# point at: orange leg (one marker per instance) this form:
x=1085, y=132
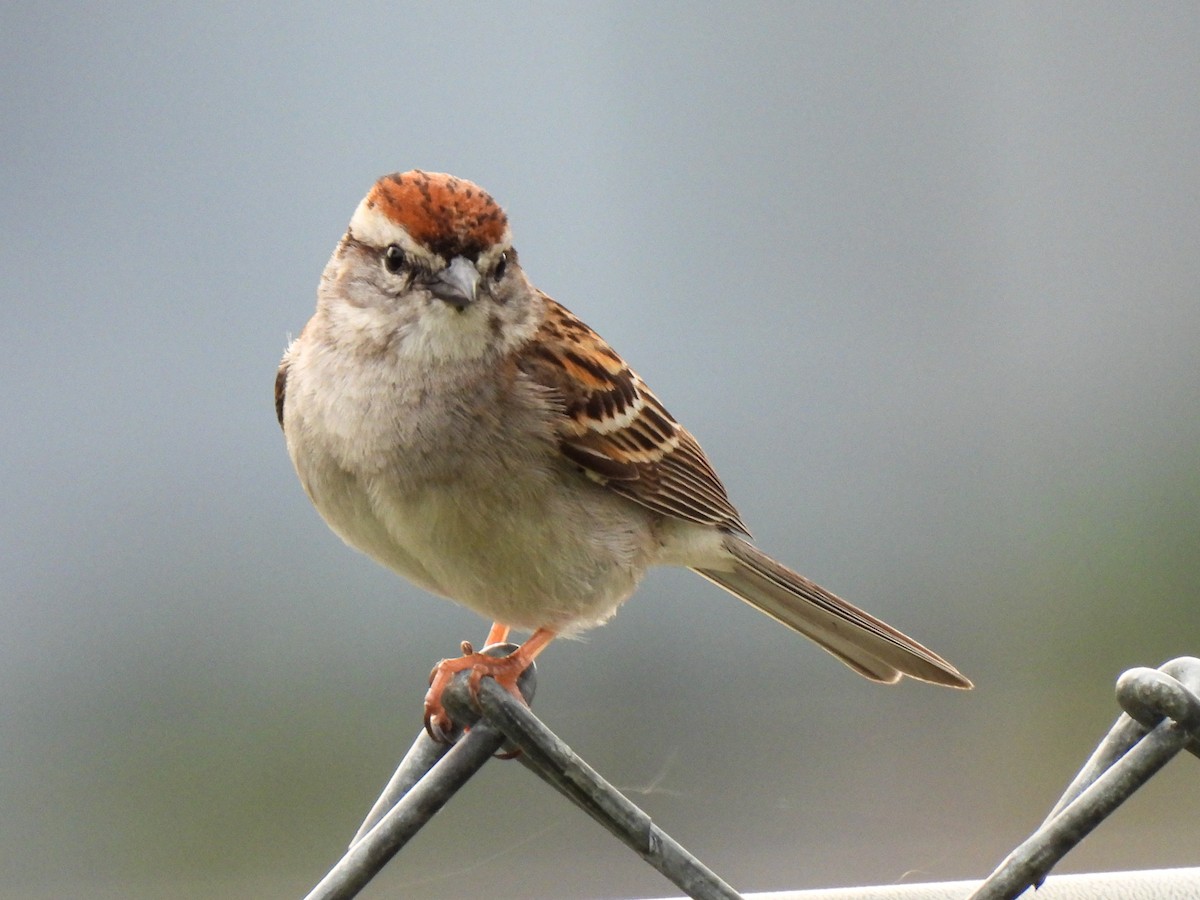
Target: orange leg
x=505, y=669
x=497, y=634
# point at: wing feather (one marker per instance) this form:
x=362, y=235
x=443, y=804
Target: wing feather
x=617, y=431
x=281, y=389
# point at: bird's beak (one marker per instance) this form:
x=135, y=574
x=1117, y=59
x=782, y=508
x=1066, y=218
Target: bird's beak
x=457, y=284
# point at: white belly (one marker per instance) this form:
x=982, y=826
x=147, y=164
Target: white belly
x=523, y=539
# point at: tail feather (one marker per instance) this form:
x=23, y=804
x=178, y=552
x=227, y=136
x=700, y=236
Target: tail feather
x=871, y=647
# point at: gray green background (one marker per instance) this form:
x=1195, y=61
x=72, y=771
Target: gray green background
x=922, y=278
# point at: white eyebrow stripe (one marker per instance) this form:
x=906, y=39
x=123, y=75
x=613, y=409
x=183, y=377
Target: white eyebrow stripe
x=372, y=227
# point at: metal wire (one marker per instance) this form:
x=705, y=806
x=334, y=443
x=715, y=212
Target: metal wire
x=429, y=775
x=1164, y=709
x=559, y=766
x=421, y=756
x=1161, y=718
x=1127, y=731
x=1152, y=884
x=372, y=851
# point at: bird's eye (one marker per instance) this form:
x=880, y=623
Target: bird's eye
x=393, y=259
x=501, y=266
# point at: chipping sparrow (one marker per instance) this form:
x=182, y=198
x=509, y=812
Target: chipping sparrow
x=457, y=425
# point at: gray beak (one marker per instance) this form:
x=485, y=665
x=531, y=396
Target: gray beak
x=457, y=284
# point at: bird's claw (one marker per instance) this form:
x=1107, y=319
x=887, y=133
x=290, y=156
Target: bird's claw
x=506, y=670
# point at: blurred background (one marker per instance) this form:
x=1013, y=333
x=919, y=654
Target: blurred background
x=921, y=277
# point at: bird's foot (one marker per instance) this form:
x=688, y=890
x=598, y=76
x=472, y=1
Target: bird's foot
x=506, y=670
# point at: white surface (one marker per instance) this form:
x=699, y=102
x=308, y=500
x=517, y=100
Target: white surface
x=1153, y=884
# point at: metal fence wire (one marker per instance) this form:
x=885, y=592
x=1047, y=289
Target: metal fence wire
x=1161, y=717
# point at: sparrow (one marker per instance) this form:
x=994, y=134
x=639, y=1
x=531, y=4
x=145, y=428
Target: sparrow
x=456, y=424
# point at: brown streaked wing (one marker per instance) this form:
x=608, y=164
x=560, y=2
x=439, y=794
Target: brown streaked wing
x=280, y=390
x=617, y=431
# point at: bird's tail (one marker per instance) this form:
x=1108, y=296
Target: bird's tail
x=871, y=647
